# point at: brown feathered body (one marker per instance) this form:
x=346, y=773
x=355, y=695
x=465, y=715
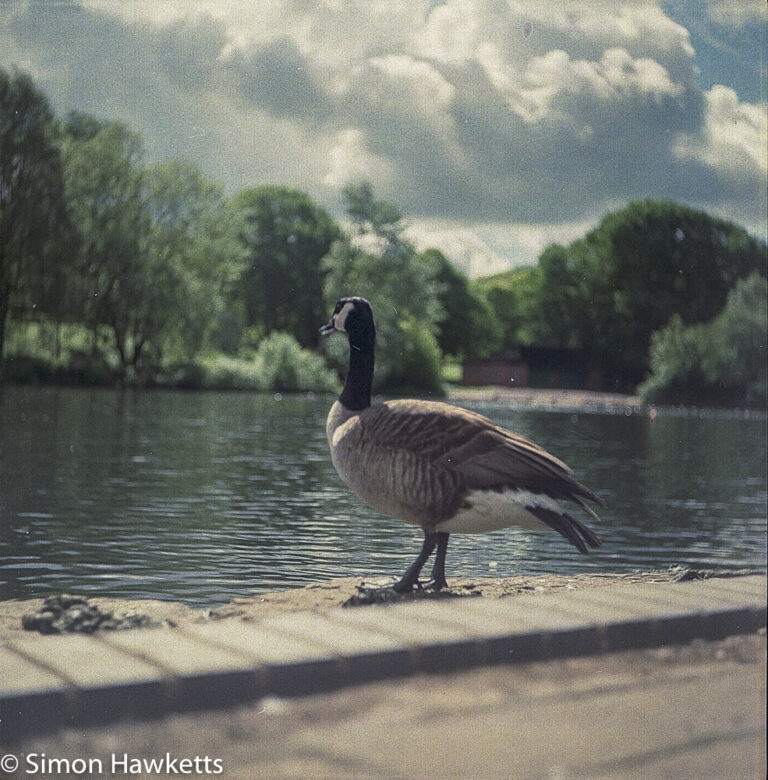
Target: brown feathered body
x=451, y=470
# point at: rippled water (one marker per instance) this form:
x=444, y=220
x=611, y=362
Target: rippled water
x=203, y=497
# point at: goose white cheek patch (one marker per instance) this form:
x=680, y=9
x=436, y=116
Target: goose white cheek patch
x=341, y=318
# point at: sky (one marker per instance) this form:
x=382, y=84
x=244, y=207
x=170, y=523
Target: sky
x=497, y=127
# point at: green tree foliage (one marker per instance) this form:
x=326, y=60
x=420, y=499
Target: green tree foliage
x=418, y=365
x=194, y=235
x=370, y=216
x=279, y=364
x=285, y=237
x=378, y=264
x=157, y=266
x=104, y=192
x=720, y=361
x=468, y=326
x=155, y=254
x=556, y=304
x=510, y=295
x=609, y=291
x=33, y=221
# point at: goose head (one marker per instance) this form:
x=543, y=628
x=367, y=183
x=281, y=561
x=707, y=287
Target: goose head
x=353, y=316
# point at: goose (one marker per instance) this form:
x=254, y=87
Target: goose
x=441, y=467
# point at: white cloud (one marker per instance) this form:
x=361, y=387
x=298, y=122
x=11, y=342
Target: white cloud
x=737, y=13
x=732, y=139
x=349, y=159
x=616, y=76
x=424, y=87
x=493, y=247
x=490, y=140
x=466, y=248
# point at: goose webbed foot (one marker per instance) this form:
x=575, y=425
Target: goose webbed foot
x=403, y=586
x=383, y=594
x=407, y=585
x=434, y=584
x=410, y=580
x=372, y=594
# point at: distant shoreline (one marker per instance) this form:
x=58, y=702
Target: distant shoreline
x=539, y=398
x=545, y=397
x=590, y=402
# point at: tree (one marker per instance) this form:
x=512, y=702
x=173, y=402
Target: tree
x=104, y=190
x=510, y=295
x=195, y=236
x=33, y=217
x=609, y=291
x=285, y=236
x=720, y=361
x=156, y=252
x=468, y=326
x=369, y=215
x=378, y=264
x=556, y=303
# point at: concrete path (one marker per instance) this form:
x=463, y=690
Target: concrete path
x=48, y=683
x=683, y=711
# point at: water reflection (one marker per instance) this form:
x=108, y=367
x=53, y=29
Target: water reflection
x=202, y=497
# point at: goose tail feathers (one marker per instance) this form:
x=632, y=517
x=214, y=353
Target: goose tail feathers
x=579, y=535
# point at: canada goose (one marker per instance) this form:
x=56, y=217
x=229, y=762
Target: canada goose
x=446, y=469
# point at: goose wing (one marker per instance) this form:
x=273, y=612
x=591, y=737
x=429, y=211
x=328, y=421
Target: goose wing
x=481, y=454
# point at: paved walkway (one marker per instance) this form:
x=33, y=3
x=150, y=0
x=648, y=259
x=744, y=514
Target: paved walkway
x=53, y=682
x=684, y=711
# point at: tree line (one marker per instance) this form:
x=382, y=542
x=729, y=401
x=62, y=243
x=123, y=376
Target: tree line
x=650, y=278
x=115, y=269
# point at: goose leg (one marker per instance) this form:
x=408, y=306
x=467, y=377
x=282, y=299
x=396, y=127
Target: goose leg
x=437, y=580
x=410, y=579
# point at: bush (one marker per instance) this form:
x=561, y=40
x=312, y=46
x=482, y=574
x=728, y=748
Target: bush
x=284, y=365
x=720, y=362
x=418, y=369
x=222, y=372
x=25, y=369
x=279, y=365
x=737, y=354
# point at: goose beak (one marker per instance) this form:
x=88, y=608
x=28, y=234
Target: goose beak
x=328, y=328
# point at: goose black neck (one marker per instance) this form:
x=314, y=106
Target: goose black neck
x=356, y=394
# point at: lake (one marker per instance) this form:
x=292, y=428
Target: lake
x=201, y=497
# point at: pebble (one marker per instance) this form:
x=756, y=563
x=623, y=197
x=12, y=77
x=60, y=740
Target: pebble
x=66, y=613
